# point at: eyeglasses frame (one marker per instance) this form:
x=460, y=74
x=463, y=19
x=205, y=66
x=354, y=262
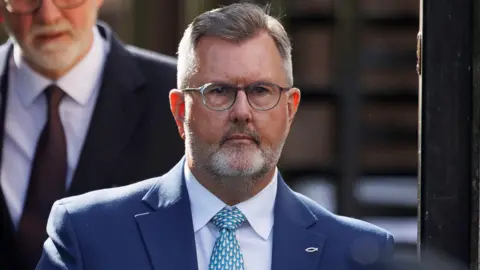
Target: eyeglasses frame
x=202, y=88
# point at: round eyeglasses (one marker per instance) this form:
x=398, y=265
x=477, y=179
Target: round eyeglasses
x=220, y=96
x=24, y=7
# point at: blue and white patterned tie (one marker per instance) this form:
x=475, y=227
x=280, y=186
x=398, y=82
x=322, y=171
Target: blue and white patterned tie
x=226, y=253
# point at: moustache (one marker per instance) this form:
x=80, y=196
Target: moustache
x=38, y=30
x=240, y=131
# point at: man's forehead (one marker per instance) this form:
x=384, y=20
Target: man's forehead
x=261, y=39
x=237, y=76
x=230, y=59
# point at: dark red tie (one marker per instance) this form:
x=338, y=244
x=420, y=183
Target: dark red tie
x=47, y=181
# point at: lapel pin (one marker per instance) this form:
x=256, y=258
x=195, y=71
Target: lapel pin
x=311, y=249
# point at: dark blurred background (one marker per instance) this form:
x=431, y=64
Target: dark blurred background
x=353, y=146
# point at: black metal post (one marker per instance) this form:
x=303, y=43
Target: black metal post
x=348, y=86
x=448, y=218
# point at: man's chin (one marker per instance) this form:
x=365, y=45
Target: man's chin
x=239, y=165
x=241, y=156
x=237, y=172
x=52, y=51
x=52, y=60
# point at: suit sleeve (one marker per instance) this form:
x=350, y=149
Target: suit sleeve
x=61, y=249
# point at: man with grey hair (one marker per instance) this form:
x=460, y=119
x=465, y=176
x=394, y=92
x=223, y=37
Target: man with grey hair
x=224, y=205
x=79, y=111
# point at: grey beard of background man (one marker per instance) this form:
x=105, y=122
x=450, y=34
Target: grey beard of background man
x=55, y=58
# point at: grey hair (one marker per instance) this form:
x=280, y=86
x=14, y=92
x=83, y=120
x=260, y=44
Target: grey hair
x=236, y=22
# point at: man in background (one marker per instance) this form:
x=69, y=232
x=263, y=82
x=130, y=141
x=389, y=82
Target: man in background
x=80, y=111
x=225, y=205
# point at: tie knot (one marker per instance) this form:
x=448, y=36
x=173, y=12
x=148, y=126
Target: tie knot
x=229, y=219
x=54, y=96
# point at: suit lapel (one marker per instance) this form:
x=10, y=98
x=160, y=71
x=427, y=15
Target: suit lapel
x=7, y=244
x=167, y=230
x=116, y=113
x=295, y=246
x=5, y=50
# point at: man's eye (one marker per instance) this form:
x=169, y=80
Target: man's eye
x=219, y=90
x=260, y=90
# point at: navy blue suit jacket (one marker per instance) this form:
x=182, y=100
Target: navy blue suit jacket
x=148, y=225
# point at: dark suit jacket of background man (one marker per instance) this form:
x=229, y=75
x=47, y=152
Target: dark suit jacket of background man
x=132, y=134
x=148, y=226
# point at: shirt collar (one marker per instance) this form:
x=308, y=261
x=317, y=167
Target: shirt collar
x=258, y=210
x=78, y=83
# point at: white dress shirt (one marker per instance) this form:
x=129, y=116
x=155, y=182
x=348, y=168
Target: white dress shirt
x=26, y=116
x=254, y=235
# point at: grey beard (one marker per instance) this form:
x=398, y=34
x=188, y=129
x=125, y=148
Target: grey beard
x=242, y=182
x=238, y=183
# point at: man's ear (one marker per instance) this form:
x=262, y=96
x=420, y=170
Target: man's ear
x=293, y=103
x=177, y=106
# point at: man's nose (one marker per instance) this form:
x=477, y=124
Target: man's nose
x=241, y=109
x=48, y=12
